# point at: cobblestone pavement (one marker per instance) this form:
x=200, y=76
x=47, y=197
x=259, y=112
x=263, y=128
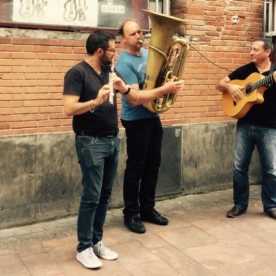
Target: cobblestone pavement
x=198, y=241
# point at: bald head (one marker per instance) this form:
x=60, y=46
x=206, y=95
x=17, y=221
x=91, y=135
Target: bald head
x=125, y=24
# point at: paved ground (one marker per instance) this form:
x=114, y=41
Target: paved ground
x=199, y=241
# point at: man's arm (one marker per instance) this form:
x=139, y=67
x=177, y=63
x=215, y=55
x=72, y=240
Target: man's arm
x=72, y=106
x=137, y=97
x=145, y=96
x=224, y=86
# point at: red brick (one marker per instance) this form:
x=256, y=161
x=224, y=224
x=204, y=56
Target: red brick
x=50, y=69
x=37, y=63
x=50, y=82
x=73, y=57
x=23, y=83
x=26, y=110
x=5, y=40
x=51, y=42
x=12, y=104
x=37, y=76
x=68, y=50
x=36, y=48
x=80, y=51
x=5, y=55
x=29, y=69
x=13, y=76
x=23, y=96
x=23, y=55
x=11, y=132
x=51, y=123
x=5, y=97
x=5, y=125
x=61, y=129
x=56, y=102
x=35, y=103
x=56, y=76
x=51, y=109
x=35, y=130
x=11, y=118
x=24, y=124
x=37, y=89
x=22, y=41
x=35, y=117
x=11, y=48
x=56, y=89
x=5, y=69
x=74, y=43
x=60, y=116
x=49, y=56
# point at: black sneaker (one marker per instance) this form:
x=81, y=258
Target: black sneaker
x=134, y=224
x=154, y=217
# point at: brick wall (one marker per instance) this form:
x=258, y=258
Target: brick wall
x=33, y=64
x=32, y=71
x=217, y=47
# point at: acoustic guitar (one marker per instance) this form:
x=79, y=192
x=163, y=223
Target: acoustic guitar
x=253, y=90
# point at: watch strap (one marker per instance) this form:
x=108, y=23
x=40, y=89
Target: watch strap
x=128, y=90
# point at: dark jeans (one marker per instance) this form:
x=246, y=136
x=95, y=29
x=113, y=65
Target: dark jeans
x=98, y=159
x=247, y=136
x=144, y=138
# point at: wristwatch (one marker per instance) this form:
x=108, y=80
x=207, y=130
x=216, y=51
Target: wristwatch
x=128, y=90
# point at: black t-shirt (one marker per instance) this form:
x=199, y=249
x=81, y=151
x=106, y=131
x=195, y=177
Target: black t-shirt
x=84, y=81
x=263, y=114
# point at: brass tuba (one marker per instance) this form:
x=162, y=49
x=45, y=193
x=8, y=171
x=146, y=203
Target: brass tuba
x=166, y=58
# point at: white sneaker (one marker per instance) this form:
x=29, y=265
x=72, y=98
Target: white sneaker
x=88, y=258
x=102, y=251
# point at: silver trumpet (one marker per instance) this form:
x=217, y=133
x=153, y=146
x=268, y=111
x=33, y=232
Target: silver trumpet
x=111, y=95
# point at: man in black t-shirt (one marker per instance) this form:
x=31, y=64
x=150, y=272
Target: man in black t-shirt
x=257, y=127
x=86, y=98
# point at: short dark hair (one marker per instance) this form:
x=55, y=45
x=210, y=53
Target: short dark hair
x=267, y=43
x=98, y=39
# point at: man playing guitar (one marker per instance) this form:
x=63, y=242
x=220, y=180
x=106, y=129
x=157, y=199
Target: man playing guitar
x=255, y=127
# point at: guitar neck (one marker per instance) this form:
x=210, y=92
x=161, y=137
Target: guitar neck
x=267, y=80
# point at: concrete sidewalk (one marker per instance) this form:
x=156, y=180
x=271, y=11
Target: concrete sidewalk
x=199, y=241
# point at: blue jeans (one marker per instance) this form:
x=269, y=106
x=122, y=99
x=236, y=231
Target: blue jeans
x=247, y=136
x=144, y=139
x=98, y=158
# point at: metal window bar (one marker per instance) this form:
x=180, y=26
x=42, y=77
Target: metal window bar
x=269, y=26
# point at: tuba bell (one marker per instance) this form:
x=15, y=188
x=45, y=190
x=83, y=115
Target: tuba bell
x=166, y=58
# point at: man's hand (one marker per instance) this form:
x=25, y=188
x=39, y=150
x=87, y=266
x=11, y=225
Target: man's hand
x=72, y=106
x=172, y=87
x=103, y=94
x=119, y=84
x=235, y=91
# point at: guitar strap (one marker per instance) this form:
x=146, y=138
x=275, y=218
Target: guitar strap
x=272, y=68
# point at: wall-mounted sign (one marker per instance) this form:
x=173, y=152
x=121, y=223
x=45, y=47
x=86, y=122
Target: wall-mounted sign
x=79, y=13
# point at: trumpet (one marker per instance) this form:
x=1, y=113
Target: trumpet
x=111, y=95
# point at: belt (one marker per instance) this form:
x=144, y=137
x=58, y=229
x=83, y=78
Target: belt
x=97, y=134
